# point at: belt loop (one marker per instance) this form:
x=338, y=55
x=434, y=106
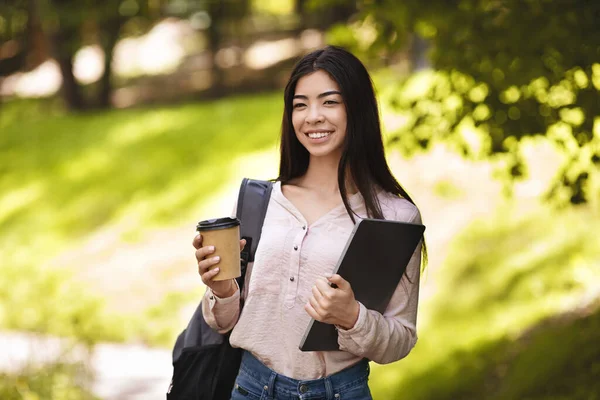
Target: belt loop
x=328, y=389
x=271, y=391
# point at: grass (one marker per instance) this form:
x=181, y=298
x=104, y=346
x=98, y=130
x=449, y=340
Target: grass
x=491, y=331
x=60, y=381
x=145, y=165
x=64, y=177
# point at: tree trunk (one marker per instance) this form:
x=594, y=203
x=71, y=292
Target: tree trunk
x=113, y=30
x=70, y=89
x=217, y=14
x=300, y=9
x=30, y=44
x=66, y=39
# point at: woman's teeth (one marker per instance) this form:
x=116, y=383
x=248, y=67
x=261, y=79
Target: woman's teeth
x=318, y=135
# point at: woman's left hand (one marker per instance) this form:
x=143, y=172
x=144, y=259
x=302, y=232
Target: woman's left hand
x=333, y=305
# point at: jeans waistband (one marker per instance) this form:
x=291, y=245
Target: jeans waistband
x=350, y=376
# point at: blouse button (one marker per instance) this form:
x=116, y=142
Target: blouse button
x=291, y=278
x=304, y=227
x=295, y=247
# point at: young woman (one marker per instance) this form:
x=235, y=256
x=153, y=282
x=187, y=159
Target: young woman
x=332, y=172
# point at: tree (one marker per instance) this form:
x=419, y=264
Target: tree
x=506, y=69
x=70, y=24
x=21, y=37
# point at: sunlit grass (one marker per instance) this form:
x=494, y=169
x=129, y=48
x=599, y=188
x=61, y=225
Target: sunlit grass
x=64, y=177
x=503, y=276
x=91, y=170
x=59, y=381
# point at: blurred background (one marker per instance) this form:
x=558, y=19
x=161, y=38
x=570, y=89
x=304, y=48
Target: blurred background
x=124, y=122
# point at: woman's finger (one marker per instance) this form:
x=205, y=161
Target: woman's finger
x=209, y=275
x=339, y=281
x=205, y=265
x=242, y=244
x=323, y=286
x=318, y=308
x=318, y=296
x=203, y=252
x=197, y=242
x=311, y=311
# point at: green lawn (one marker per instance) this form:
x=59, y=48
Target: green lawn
x=516, y=315
x=64, y=177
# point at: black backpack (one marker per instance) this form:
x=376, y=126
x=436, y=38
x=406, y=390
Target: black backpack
x=204, y=363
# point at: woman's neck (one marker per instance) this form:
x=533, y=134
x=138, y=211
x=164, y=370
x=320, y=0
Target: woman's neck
x=322, y=175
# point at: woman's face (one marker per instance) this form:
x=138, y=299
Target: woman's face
x=319, y=115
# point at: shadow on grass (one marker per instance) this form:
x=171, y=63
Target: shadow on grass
x=515, y=260
x=558, y=358
x=72, y=174
x=504, y=277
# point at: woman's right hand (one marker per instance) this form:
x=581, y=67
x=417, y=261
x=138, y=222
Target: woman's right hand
x=220, y=289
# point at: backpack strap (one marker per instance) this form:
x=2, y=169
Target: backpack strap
x=251, y=210
x=252, y=204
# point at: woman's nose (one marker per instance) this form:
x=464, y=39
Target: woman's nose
x=314, y=115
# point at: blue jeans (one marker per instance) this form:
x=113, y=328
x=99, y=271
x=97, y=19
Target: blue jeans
x=256, y=381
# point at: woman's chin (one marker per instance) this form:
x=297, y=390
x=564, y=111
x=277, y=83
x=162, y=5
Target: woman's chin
x=324, y=153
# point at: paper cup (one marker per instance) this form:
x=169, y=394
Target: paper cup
x=224, y=234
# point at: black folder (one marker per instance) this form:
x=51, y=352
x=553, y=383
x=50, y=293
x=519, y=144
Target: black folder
x=373, y=261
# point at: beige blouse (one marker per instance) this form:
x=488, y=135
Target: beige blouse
x=289, y=258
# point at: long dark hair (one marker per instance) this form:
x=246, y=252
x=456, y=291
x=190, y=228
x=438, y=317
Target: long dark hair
x=363, y=153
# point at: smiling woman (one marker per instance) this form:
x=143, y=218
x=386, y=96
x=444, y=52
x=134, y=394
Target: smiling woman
x=319, y=115
x=332, y=172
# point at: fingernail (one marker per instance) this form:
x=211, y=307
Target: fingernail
x=217, y=269
x=217, y=258
x=211, y=248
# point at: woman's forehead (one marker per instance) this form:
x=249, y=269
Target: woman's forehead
x=316, y=83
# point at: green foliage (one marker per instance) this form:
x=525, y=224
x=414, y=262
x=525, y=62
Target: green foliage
x=500, y=326
x=63, y=177
x=446, y=189
x=48, y=301
x=505, y=70
x=272, y=7
x=57, y=382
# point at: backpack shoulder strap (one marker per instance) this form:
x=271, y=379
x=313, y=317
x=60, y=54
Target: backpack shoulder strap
x=252, y=204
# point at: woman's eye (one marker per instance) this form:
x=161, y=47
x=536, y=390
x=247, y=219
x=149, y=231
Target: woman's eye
x=329, y=102
x=298, y=105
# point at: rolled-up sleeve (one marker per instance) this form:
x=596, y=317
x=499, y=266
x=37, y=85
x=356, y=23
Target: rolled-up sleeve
x=221, y=314
x=388, y=337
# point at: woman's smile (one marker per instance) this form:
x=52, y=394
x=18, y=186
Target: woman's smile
x=318, y=136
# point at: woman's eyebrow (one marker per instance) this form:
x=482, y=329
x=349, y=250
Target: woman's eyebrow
x=328, y=93
x=324, y=94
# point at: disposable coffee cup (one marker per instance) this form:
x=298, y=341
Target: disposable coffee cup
x=224, y=234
